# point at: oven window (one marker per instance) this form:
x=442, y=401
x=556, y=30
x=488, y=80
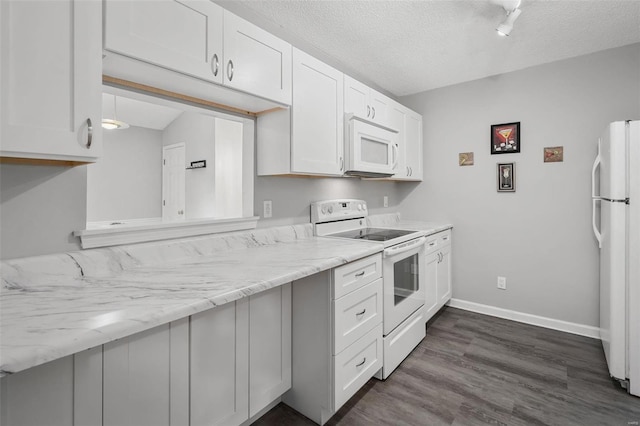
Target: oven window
x=405, y=278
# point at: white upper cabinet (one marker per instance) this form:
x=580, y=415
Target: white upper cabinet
x=365, y=102
x=409, y=126
x=196, y=38
x=317, y=132
x=255, y=61
x=413, y=144
x=51, y=80
x=184, y=36
x=308, y=139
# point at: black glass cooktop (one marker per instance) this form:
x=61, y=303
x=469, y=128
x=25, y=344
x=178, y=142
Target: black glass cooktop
x=373, y=234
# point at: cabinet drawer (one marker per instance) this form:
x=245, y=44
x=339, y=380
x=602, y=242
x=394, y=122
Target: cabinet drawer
x=432, y=243
x=444, y=237
x=354, y=366
x=356, y=313
x=354, y=275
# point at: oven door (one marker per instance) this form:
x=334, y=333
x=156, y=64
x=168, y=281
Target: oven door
x=403, y=282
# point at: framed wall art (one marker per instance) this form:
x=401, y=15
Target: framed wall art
x=505, y=138
x=506, y=173
x=554, y=154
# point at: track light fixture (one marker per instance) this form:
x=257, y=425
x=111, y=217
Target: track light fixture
x=511, y=8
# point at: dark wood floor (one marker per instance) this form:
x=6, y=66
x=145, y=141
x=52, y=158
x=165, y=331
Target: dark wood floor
x=475, y=369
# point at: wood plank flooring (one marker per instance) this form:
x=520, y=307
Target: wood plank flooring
x=474, y=369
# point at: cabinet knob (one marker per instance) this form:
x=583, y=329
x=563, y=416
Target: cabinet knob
x=215, y=64
x=89, y=133
x=230, y=69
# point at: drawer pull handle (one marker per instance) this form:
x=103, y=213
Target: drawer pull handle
x=432, y=244
x=445, y=238
x=361, y=313
x=359, y=274
x=363, y=361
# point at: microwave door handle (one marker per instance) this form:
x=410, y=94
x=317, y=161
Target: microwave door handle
x=393, y=251
x=596, y=231
x=395, y=150
x=596, y=164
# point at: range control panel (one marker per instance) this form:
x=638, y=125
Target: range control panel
x=332, y=210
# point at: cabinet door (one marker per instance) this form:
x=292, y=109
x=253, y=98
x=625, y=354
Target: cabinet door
x=397, y=118
x=444, y=275
x=51, y=80
x=431, y=285
x=317, y=117
x=136, y=373
x=380, y=105
x=269, y=346
x=356, y=98
x=255, y=61
x=184, y=36
x=220, y=365
x=413, y=144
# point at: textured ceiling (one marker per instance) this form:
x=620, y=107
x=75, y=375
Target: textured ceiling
x=406, y=47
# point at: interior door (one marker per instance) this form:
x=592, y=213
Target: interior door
x=173, y=182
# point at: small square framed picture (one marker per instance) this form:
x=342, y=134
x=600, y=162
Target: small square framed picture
x=506, y=177
x=505, y=138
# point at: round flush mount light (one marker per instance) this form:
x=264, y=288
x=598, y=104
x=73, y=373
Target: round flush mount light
x=109, y=124
x=114, y=123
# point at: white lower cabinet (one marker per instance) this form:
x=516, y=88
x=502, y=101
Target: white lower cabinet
x=336, y=332
x=67, y=391
x=217, y=367
x=220, y=365
x=139, y=372
x=438, y=273
x=269, y=346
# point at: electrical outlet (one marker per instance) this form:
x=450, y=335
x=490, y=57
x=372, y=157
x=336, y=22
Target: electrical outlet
x=267, y=209
x=502, y=283
x=385, y=201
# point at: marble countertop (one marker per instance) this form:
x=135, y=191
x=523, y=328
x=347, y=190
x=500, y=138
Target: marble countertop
x=58, y=305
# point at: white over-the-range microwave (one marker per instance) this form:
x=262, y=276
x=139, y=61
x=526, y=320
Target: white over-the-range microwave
x=371, y=149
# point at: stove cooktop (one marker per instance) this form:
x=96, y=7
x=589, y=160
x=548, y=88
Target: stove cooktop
x=373, y=234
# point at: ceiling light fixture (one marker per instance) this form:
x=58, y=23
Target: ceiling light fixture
x=511, y=7
x=114, y=123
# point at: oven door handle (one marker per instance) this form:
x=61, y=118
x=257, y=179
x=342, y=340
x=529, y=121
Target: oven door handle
x=399, y=249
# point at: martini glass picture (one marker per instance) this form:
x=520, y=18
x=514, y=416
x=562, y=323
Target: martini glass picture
x=505, y=138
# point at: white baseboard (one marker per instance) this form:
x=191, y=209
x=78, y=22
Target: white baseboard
x=554, y=324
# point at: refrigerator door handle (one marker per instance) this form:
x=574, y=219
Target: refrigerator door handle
x=596, y=164
x=596, y=231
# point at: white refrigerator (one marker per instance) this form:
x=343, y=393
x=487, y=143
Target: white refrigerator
x=616, y=225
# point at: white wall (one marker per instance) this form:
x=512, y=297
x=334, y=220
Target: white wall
x=228, y=168
x=40, y=207
x=539, y=237
x=292, y=196
x=127, y=181
x=196, y=131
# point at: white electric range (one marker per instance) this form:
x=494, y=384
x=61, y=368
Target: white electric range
x=402, y=271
